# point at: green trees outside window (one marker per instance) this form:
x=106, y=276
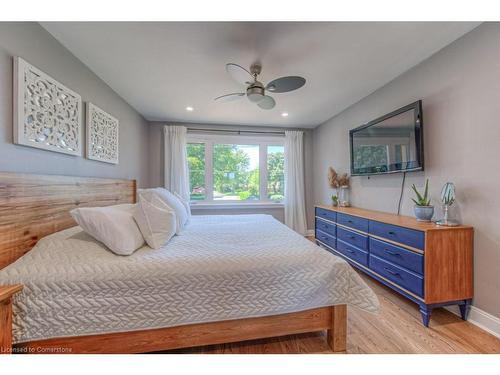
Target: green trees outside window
x=196, y=163
x=276, y=173
x=235, y=172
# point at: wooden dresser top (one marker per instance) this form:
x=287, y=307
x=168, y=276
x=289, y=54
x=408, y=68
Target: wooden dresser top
x=399, y=220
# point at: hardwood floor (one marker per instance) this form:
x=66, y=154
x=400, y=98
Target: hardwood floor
x=396, y=329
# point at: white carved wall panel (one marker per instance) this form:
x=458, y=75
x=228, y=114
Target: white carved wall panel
x=102, y=135
x=47, y=114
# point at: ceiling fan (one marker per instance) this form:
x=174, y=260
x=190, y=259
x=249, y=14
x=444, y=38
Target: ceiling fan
x=256, y=91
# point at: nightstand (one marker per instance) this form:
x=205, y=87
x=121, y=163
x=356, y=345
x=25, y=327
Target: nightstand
x=6, y=293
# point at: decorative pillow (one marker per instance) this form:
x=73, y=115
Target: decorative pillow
x=186, y=205
x=156, y=221
x=114, y=226
x=173, y=202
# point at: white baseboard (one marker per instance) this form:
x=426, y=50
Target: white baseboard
x=480, y=318
x=310, y=233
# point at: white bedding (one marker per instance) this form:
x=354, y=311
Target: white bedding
x=219, y=268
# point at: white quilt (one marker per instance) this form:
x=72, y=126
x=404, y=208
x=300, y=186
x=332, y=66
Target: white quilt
x=219, y=268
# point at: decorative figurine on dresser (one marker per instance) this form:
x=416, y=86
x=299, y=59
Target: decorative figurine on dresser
x=429, y=264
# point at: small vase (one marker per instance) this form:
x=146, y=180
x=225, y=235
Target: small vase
x=344, y=196
x=445, y=221
x=424, y=213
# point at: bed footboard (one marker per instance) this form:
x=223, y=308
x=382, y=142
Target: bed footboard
x=332, y=319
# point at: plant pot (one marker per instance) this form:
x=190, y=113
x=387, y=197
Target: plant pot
x=424, y=213
x=335, y=201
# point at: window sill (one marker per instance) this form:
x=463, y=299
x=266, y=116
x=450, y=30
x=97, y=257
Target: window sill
x=225, y=206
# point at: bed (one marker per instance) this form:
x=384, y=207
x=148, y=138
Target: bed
x=223, y=279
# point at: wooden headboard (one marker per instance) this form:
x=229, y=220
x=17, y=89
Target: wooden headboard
x=33, y=206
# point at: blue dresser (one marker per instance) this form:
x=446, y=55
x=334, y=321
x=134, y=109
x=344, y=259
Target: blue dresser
x=430, y=265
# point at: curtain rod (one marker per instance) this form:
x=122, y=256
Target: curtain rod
x=237, y=131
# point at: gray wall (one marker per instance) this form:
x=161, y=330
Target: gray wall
x=31, y=42
x=460, y=88
x=156, y=169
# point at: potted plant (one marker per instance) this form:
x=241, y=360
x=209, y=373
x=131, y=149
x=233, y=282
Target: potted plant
x=335, y=200
x=423, y=208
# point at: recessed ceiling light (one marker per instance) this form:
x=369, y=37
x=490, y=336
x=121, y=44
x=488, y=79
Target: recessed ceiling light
x=189, y=109
x=284, y=114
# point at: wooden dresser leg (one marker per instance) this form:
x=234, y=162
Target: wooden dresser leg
x=6, y=326
x=337, y=334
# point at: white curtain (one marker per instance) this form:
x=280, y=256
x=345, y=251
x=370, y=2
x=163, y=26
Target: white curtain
x=295, y=206
x=176, y=165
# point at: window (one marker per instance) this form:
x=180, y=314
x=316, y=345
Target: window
x=276, y=173
x=236, y=172
x=196, y=163
x=230, y=169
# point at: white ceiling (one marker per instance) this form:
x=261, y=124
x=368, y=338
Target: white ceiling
x=160, y=68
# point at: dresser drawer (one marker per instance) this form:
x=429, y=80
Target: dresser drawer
x=352, y=252
x=326, y=214
x=406, y=279
x=397, y=255
x=410, y=237
x=326, y=227
x=352, y=221
x=326, y=238
x=353, y=238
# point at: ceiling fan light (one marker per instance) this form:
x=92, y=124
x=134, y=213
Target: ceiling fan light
x=255, y=93
x=267, y=102
x=255, y=97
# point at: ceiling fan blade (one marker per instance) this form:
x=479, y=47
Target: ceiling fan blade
x=239, y=74
x=267, y=102
x=285, y=84
x=230, y=97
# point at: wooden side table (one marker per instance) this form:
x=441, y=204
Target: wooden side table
x=6, y=293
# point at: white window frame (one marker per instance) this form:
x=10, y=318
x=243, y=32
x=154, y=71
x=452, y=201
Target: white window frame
x=262, y=141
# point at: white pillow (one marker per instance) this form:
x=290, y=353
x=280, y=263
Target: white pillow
x=186, y=205
x=173, y=202
x=114, y=226
x=156, y=221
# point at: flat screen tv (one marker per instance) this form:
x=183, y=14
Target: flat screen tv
x=390, y=144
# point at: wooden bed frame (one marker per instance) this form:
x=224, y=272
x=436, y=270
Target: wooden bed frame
x=34, y=206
